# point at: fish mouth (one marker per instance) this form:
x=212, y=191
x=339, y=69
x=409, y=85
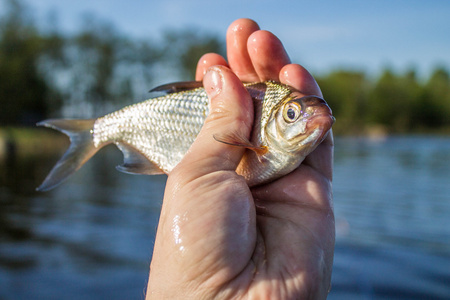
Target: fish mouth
x=321, y=113
x=322, y=118
x=320, y=121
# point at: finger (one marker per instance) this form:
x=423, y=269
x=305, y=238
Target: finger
x=206, y=61
x=300, y=79
x=321, y=159
x=231, y=111
x=267, y=54
x=293, y=189
x=238, y=56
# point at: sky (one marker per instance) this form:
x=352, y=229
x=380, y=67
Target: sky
x=321, y=35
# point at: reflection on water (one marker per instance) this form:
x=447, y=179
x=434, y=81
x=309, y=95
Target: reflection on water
x=395, y=192
x=92, y=237
x=392, y=208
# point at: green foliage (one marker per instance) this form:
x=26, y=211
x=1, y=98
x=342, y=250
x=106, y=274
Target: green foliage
x=433, y=108
x=392, y=101
x=399, y=103
x=22, y=89
x=346, y=93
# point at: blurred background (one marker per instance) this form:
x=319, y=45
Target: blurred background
x=382, y=66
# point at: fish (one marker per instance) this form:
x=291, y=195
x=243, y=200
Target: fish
x=154, y=135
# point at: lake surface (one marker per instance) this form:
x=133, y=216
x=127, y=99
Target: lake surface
x=92, y=237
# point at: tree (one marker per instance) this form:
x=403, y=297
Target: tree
x=182, y=49
x=346, y=93
x=22, y=89
x=433, y=109
x=99, y=69
x=392, y=100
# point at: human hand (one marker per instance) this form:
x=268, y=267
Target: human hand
x=216, y=236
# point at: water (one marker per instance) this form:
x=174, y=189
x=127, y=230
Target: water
x=92, y=237
x=392, y=206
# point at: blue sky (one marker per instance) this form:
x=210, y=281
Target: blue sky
x=321, y=35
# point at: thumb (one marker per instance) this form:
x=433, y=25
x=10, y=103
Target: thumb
x=207, y=223
x=231, y=112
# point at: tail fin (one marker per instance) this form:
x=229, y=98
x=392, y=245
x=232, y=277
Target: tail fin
x=81, y=149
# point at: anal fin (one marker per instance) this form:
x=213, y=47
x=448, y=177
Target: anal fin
x=136, y=163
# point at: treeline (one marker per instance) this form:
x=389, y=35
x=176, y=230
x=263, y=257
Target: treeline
x=392, y=103
x=45, y=73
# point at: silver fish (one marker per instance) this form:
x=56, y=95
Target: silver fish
x=154, y=135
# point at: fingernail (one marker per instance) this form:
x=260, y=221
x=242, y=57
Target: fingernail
x=212, y=81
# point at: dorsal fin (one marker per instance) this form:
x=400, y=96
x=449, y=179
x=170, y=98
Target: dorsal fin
x=176, y=87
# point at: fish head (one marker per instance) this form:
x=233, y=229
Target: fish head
x=299, y=124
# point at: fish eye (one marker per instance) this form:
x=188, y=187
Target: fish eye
x=291, y=112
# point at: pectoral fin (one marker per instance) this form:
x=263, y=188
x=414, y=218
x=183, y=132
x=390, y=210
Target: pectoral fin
x=240, y=141
x=136, y=163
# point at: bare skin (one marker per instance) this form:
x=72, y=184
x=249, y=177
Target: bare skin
x=217, y=238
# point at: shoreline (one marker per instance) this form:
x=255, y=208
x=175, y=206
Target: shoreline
x=22, y=143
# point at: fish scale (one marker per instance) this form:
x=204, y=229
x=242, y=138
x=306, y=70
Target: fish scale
x=172, y=122
x=154, y=135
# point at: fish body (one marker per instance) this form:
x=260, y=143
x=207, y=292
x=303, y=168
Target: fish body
x=154, y=135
